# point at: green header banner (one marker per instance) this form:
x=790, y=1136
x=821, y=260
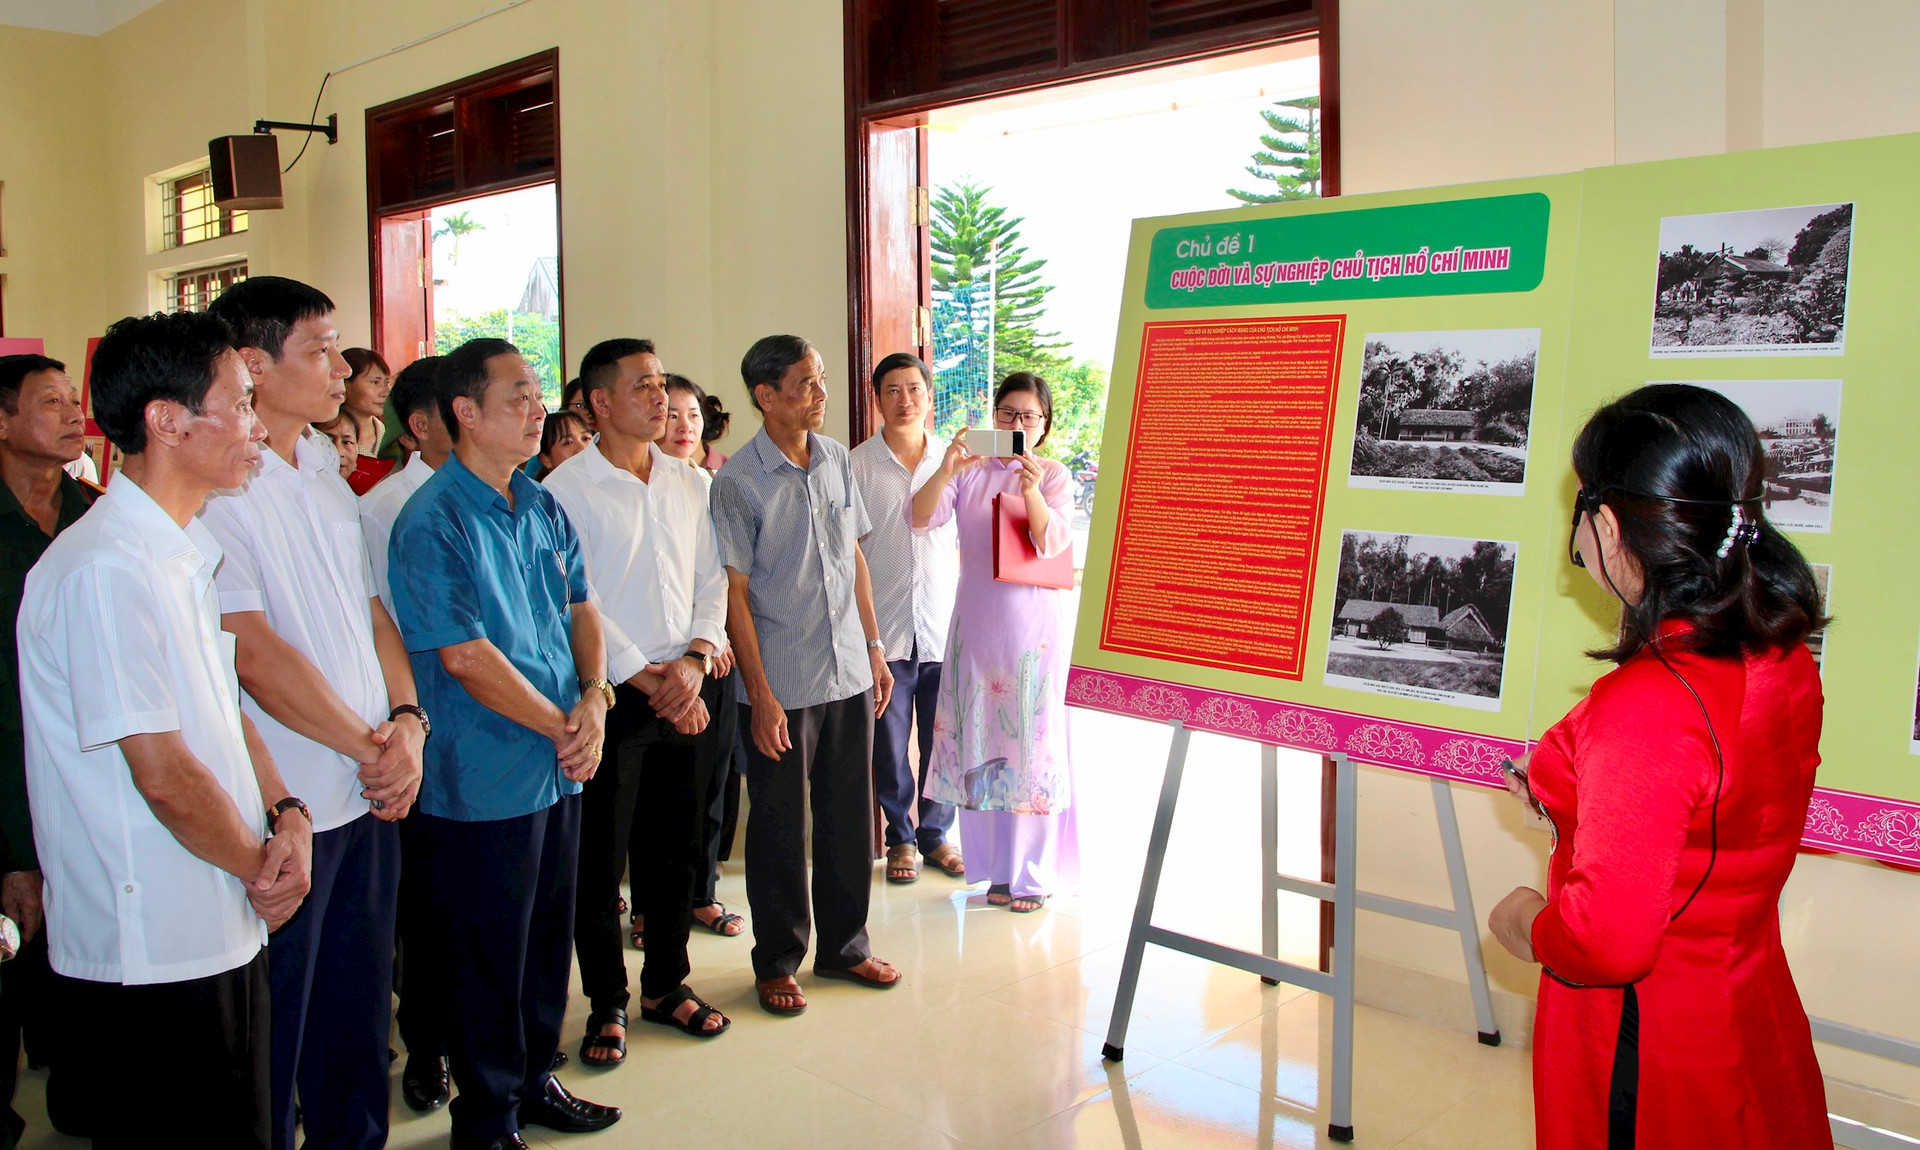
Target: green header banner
x=1456, y=247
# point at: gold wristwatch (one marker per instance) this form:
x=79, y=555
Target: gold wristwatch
x=600, y=685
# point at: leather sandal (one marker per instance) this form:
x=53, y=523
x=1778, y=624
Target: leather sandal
x=695, y=1023
x=722, y=921
x=765, y=988
x=852, y=974
x=902, y=868
x=595, y=1043
x=946, y=856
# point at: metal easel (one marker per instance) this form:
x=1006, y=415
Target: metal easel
x=1342, y=893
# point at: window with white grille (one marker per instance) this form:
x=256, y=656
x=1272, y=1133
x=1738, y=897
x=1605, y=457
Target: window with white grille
x=195, y=288
x=189, y=215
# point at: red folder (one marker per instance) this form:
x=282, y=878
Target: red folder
x=1014, y=557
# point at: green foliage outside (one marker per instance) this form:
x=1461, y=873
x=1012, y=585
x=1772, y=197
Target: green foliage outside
x=1289, y=155
x=537, y=337
x=970, y=234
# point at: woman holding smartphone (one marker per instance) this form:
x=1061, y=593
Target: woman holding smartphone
x=1677, y=791
x=1000, y=748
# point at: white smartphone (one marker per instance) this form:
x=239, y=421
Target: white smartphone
x=997, y=444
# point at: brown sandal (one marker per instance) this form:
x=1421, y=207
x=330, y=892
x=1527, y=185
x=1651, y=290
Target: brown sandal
x=901, y=867
x=946, y=856
x=766, y=988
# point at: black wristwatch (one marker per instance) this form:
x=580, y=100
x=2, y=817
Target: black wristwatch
x=282, y=807
x=426, y=727
x=706, y=660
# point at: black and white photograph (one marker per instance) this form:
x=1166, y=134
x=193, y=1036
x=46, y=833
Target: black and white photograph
x=1422, y=617
x=1817, y=640
x=1766, y=282
x=1799, y=425
x=1445, y=411
x=1913, y=747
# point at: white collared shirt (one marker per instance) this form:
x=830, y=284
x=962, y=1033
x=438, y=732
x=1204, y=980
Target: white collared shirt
x=295, y=552
x=651, y=555
x=379, y=508
x=120, y=635
x=914, y=576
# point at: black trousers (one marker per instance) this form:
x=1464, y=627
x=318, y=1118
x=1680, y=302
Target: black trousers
x=717, y=745
x=26, y=1012
x=829, y=773
x=649, y=794
x=421, y=1013
x=190, y=1059
x=332, y=976
x=499, y=924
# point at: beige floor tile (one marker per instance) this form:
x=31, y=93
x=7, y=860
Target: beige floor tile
x=988, y=1071
x=1174, y=1108
x=1406, y=1073
x=1182, y=1002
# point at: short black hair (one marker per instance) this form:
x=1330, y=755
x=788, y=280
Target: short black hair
x=767, y=362
x=263, y=309
x=567, y=391
x=162, y=356
x=463, y=371
x=896, y=361
x=415, y=389
x=1676, y=463
x=1029, y=382
x=602, y=361
x=14, y=370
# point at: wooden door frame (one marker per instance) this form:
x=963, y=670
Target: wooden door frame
x=860, y=120
x=377, y=211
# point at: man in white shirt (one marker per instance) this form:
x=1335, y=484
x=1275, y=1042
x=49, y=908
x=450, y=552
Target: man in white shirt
x=329, y=685
x=424, y=446
x=426, y=1081
x=153, y=793
x=655, y=568
x=914, y=579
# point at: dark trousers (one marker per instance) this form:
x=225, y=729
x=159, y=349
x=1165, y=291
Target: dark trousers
x=191, y=1060
x=828, y=772
x=649, y=794
x=718, y=746
x=916, y=688
x=331, y=968
x=500, y=924
x=26, y=1012
x=421, y=1013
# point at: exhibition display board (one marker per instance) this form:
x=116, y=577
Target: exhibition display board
x=1340, y=433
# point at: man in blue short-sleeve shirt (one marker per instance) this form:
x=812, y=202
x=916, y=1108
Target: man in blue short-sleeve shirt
x=491, y=593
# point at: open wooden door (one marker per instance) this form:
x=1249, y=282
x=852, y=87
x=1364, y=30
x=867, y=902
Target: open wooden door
x=895, y=261
x=403, y=288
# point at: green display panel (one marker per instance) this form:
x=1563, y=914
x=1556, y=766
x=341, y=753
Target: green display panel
x=1334, y=509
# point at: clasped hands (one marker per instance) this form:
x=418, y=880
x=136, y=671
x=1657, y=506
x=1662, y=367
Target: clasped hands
x=390, y=766
x=286, y=870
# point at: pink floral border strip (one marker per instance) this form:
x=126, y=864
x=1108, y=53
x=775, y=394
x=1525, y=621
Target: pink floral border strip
x=1884, y=829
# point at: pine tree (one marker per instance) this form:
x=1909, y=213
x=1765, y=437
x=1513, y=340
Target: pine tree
x=969, y=235
x=1291, y=165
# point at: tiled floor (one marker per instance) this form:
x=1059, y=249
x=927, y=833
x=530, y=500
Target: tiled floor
x=994, y=1039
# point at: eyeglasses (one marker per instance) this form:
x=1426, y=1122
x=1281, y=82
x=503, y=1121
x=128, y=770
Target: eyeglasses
x=1585, y=502
x=1029, y=419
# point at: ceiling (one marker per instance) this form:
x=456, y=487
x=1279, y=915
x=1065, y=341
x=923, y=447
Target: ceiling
x=86, y=17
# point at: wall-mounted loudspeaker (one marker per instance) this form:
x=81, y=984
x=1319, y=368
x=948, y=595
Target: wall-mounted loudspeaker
x=246, y=172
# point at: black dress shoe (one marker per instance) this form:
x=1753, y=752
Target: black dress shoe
x=557, y=1109
x=425, y=1084
x=505, y=1142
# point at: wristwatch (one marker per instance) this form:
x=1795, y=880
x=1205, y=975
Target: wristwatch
x=426, y=727
x=600, y=685
x=706, y=660
x=877, y=645
x=282, y=807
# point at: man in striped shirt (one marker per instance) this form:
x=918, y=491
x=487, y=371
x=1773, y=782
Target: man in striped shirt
x=814, y=672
